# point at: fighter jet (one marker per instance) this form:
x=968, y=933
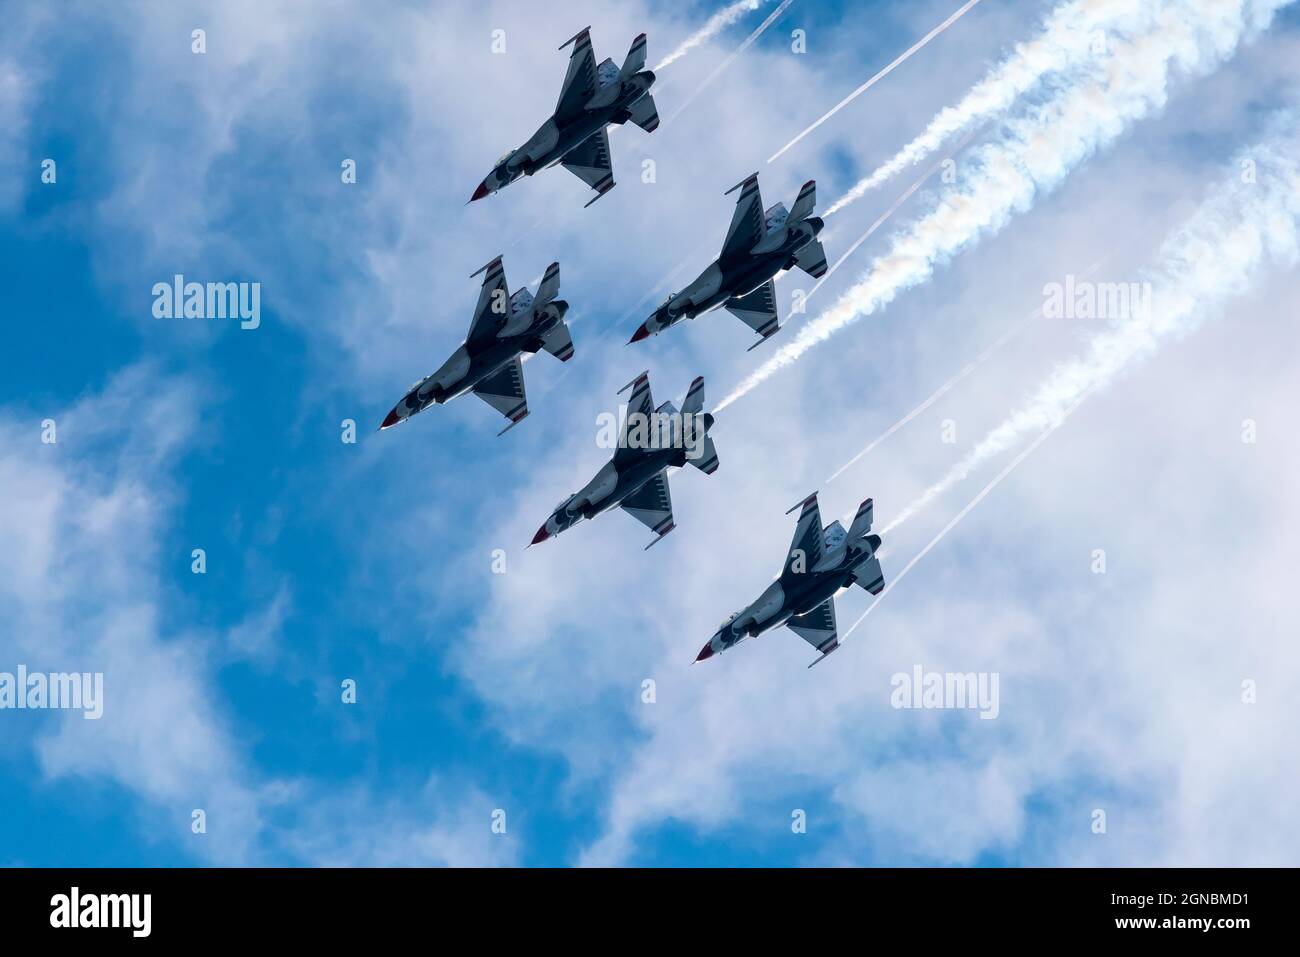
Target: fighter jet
x=636, y=478
x=758, y=246
x=820, y=563
x=488, y=363
x=575, y=136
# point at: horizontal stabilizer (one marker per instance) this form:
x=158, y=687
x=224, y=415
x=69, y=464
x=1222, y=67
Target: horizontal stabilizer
x=645, y=114
x=707, y=460
x=870, y=576
x=812, y=259
x=558, y=342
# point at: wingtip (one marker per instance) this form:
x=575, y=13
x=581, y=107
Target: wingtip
x=585, y=31
x=494, y=261
x=752, y=177
x=643, y=375
x=804, y=503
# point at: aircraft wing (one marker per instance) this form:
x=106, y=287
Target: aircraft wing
x=806, y=546
x=504, y=391
x=652, y=506
x=589, y=161
x=817, y=627
x=757, y=310
x=641, y=404
x=580, y=81
x=746, y=222
x=493, y=305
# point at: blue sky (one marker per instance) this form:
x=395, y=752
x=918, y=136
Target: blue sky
x=522, y=691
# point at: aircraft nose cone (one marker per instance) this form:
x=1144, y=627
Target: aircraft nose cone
x=705, y=652
x=541, y=536
x=642, y=332
x=390, y=420
x=480, y=192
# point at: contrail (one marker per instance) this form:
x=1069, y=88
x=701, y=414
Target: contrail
x=745, y=45
x=939, y=392
x=966, y=370
x=1010, y=467
x=1034, y=154
x=879, y=76
x=1215, y=255
x=1069, y=37
x=712, y=27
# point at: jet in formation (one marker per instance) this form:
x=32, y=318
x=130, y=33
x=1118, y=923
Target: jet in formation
x=820, y=563
x=488, y=362
x=758, y=246
x=636, y=479
x=576, y=135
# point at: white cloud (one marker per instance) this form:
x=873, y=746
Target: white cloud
x=1095, y=707
x=82, y=520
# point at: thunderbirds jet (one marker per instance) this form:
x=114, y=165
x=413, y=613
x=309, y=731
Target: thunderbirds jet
x=819, y=564
x=636, y=478
x=758, y=246
x=488, y=362
x=575, y=136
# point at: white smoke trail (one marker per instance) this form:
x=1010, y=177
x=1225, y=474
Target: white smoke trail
x=879, y=76
x=1216, y=254
x=731, y=58
x=966, y=370
x=1035, y=153
x=953, y=522
x=712, y=27
x=1069, y=37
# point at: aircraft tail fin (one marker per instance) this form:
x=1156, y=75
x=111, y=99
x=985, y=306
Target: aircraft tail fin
x=862, y=520
x=694, y=401
x=549, y=288
x=805, y=202
x=635, y=61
